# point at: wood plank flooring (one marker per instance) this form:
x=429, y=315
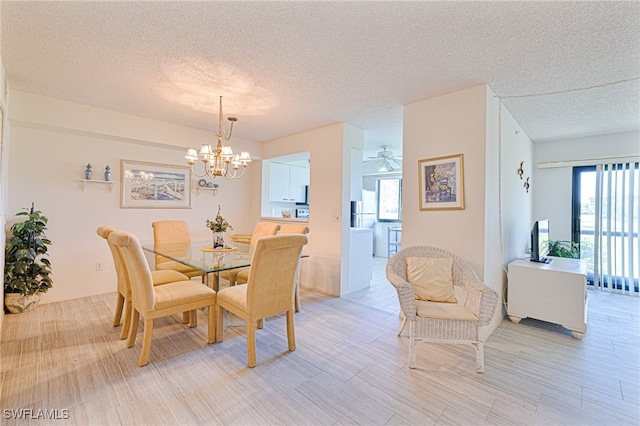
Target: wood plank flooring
x=349, y=368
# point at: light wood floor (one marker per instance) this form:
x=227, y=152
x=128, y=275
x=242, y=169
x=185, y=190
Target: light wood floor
x=349, y=368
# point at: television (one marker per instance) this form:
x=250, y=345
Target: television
x=540, y=241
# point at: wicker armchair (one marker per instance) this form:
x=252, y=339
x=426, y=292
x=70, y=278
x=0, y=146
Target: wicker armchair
x=474, y=297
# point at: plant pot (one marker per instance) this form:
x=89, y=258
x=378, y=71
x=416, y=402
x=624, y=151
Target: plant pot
x=17, y=303
x=218, y=239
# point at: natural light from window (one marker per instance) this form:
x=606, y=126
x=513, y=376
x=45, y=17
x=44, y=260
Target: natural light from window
x=389, y=199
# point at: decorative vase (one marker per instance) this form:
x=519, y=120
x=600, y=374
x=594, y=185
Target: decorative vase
x=17, y=303
x=107, y=173
x=88, y=172
x=218, y=240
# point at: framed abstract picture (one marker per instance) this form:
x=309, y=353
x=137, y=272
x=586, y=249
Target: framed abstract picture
x=441, y=183
x=154, y=186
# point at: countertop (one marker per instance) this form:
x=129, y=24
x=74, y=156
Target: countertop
x=284, y=219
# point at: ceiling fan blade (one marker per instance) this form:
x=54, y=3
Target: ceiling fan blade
x=394, y=160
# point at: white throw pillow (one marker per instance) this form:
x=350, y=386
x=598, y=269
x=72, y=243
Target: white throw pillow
x=431, y=278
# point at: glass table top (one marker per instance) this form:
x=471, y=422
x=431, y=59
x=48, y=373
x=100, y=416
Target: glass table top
x=200, y=255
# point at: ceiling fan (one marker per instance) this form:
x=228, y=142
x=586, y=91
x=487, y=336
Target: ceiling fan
x=388, y=161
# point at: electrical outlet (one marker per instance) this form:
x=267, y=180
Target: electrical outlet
x=98, y=266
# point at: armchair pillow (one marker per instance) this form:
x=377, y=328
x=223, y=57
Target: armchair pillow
x=431, y=278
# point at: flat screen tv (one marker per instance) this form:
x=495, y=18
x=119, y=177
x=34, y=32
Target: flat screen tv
x=540, y=241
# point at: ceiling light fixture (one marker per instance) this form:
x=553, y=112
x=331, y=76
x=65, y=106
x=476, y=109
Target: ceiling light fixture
x=220, y=161
x=386, y=166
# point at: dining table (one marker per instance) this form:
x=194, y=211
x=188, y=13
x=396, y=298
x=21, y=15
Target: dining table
x=202, y=256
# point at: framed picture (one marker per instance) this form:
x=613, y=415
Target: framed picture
x=154, y=186
x=441, y=183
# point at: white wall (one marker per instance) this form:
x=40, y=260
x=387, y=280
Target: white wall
x=508, y=205
x=466, y=122
x=447, y=125
x=352, y=145
x=51, y=143
x=329, y=148
x=552, y=187
x=516, y=202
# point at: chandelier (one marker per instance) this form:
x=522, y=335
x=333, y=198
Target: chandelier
x=220, y=161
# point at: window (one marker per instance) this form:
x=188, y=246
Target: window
x=606, y=208
x=389, y=199
x=583, y=212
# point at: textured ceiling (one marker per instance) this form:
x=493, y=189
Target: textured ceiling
x=286, y=67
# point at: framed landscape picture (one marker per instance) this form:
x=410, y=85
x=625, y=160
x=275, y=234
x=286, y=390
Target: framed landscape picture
x=154, y=186
x=441, y=183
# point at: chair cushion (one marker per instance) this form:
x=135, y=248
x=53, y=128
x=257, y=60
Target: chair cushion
x=241, y=238
x=452, y=311
x=168, y=276
x=235, y=296
x=177, y=266
x=243, y=276
x=431, y=278
x=181, y=292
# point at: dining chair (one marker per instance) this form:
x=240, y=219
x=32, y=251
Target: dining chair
x=241, y=238
x=286, y=229
x=268, y=292
x=262, y=229
x=152, y=302
x=123, y=301
x=177, y=233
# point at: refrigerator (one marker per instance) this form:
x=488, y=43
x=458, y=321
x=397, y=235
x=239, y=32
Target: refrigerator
x=363, y=213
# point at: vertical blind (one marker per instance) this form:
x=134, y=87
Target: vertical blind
x=616, y=245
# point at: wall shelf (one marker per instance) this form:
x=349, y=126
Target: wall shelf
x=104, y=182
x=214, y=191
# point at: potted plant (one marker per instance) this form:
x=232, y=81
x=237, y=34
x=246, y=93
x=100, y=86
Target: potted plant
x=564, y=249
x=27, y=270
x=218, y=226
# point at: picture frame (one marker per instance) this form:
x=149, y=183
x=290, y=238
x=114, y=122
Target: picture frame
x=154, y=186
x=441, y=183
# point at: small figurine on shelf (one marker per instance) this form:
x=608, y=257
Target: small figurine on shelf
x=88, y=172
x=107, y=173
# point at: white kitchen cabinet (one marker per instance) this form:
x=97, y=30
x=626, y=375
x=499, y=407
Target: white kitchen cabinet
x=360, y=259
x=298, y=180
x=287, y=183
x=279, y=182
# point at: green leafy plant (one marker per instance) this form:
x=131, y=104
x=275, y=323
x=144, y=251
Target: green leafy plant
x=26, y=268
x=219, y=224
x=564, y=249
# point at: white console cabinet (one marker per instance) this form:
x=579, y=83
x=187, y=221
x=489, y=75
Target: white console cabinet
x=555, y=292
